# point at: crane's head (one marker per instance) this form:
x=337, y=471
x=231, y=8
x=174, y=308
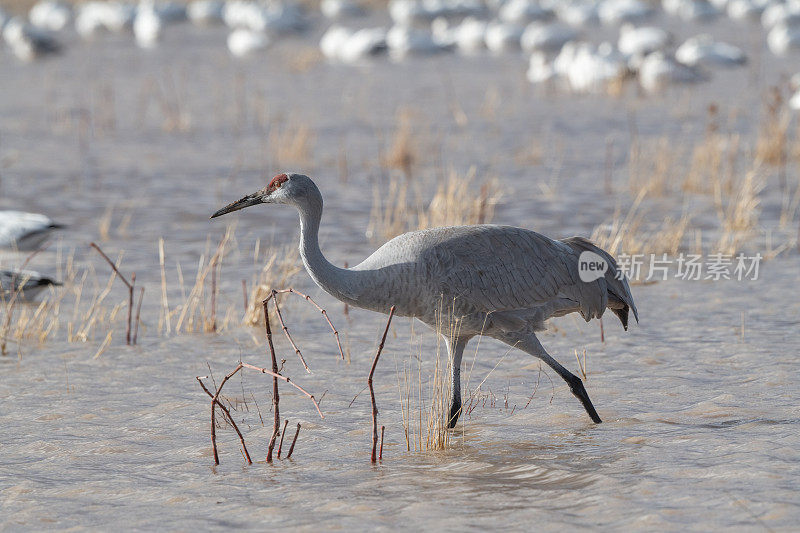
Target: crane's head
x=292, y=189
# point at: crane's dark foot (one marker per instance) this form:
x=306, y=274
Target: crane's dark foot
x=576, y=385
x=455, y=411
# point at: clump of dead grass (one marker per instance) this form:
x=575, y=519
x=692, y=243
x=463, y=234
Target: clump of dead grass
x=458, y=200
x=772, y=143
x=629, y=233
x=402, y=154
x=279, y=270
x=425, y=403
x=291, y=145
x=739, y=212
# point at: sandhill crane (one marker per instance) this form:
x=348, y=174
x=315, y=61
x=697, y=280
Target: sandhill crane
x=499, y=281
x=25, y=231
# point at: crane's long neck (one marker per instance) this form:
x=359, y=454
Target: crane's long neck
x=338, y=282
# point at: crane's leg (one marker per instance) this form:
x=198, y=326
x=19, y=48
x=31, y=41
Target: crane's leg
x=455, y=349
x=530, y=344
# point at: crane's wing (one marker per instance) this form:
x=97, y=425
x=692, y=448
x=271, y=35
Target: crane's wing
x=501, y=269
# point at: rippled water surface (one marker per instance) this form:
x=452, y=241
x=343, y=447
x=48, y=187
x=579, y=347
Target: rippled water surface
x=700, y=400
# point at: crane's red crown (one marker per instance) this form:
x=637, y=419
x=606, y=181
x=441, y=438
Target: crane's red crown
x=277, y=181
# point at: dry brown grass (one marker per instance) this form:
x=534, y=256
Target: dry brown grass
x=772, y=143
x=279, y=270
x=459, y=200
x=425, y=402
x=739, y=212
x=532, y=153
x=713, y=164
x=402, y=154
x=79, y=311
x=630, y=234
x=654, y=167
x=301, y=59
x=197, y=313
x=291, y=145
x=736, y=199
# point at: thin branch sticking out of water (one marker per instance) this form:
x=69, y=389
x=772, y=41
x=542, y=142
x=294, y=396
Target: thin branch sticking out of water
x=272, y=296
x=215, y=401
x=294, y=441
x=130, y=285
x=372, y=391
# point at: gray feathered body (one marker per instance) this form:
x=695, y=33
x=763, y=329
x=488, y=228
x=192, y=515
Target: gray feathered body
x=491, y=278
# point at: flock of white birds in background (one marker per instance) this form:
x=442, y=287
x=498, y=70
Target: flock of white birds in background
x=552, y=32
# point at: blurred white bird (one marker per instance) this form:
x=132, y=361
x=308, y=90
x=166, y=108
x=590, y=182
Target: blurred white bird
x=691, y=10
x=746, y=10
x=26, y=284
x=334, y=9
x=619, y=11
x=658, y=71
x=25, y=231
x=794, y=100
x=278, y=17
x=243, y=41
x=363, y=43
x=350, y=46
x=96, y=16
x=783, y=39
x=702, y=50
x=578, y=14
x=503, y=36
x=147, y=26
x=522, y=12
x=590, y=69
x=28, y=42
x=642, y=41
x=205, y=12
x=50, y=15
x=788, y=13
x=544, y=37
x=403, y=41
x=540, y=70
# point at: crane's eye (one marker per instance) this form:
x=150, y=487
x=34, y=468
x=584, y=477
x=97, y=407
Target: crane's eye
x=278, y=180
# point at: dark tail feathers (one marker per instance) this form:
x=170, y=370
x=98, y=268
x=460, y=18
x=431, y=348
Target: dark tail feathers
x=620, y=299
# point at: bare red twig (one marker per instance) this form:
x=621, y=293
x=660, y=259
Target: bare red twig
x=111, y=263
x=214, y=402
x=138, y=314
x=128, y=284
x=380, y=453
x=283, y=434
x=372, y=391
x=130, y=309
x=286, y=332
x=275, y=397
x=294, y=440
x=320, y=309
x=277, y=375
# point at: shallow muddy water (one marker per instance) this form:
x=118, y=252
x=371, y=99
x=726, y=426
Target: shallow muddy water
x=699, y=401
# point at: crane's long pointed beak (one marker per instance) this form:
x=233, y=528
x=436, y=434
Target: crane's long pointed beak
x=247, y=201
